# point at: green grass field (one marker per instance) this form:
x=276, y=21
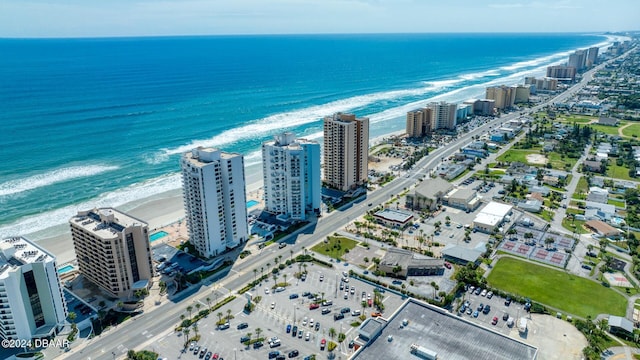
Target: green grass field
x=569, y=225
x=617, y=203
x=335, y=246
x=569, y=293
x=516, y=155
x=576, y=119
x=618, y=172
x=631, y=131
x=609, y=130
x=582, y=187
x=557, y=162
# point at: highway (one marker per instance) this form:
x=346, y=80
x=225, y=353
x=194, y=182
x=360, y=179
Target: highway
x=129, y=335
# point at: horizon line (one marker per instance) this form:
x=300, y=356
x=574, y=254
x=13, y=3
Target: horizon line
x=623, y=33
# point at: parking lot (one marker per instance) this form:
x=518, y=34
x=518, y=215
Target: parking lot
x=278, y=309
x=498, y=309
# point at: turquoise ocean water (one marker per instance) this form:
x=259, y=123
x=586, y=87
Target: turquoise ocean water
x=101, y=122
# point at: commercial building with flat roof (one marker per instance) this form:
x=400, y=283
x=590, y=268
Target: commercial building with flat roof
x=504, y=96
x=436, y=330
x=428, y=194
x=32, y=304
x=491, y=216
x=403, y=263
x=465, y=199
x=393, y=218
x=346, y=151
x=443, y=115
x=112, y=249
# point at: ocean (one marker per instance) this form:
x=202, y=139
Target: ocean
x=102, y=122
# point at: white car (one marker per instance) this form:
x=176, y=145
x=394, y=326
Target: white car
x=311, y=322
x=368, y=296
x=353, y=290
x=346, y=295
x=484, y=292
x=304, y=321
x=308, y=336
x=273, y=305
x=266, y=290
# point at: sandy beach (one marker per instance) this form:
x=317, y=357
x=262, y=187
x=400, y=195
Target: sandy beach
x=160, y=210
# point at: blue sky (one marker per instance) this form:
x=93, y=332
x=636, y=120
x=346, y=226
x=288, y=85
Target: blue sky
x=89, y=18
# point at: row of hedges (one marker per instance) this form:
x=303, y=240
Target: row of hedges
x=204, y=313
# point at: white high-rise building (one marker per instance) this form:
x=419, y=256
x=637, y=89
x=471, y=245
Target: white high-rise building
x=291, y=172
x=443, y=115
x=113, y=250
x=214, y=193
x=32, y=304
x=346, y=151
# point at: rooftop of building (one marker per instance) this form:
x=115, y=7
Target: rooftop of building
x=461, y=194
x=451, y=337
x=201, y=156
x=105, y=222
x=394, y=215
x=18, y=251
x=461, y=253
x=406, y=259
x=430, y=187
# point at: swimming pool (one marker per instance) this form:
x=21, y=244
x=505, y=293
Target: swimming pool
x=158, y=235
x=252, y=203
x=65, y=269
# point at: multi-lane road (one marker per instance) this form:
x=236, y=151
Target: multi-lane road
x=133, y=334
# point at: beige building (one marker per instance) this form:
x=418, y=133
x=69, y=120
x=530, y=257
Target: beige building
x=561, y=72
x=504, y=96
x=443, y=115
x=428, y=194
x=522, y=94
x=112, y=249
x=346, y=151
x=419, y=123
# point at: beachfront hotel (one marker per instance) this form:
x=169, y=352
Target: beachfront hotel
x=291, y=173
x=32, y=304
x=112, y=250
x=346, y=151
x=214, y=192
x=418, y=123
x=443, y=115
x=504, y=96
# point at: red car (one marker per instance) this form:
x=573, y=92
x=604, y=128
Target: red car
x=313, y=306
x=447, y=265
x=216, y=356
x=495, y=320
x=322, y=344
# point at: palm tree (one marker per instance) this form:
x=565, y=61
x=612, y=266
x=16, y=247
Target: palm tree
x=332, y=332
x=322, y=293
x=208, y=299
x=258, y=332
x=198, y=306
x=285, y=278
x=189, y=309
x=291, y=251
x=261, y=272
x=275, y=279
x=195, y=328
x=220, y=315
x=255, y=272
x=228, y=314
x=305, y=268
x=186, y=331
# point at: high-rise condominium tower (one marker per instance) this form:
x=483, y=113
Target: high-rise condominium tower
x=214, y=193
x=32, y=304
x=291, y=172
x=113, y=251
x=346, y=151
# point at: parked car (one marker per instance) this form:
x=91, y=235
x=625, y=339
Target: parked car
x=288, y=328
x=293, y=353
x=293, y=296
x=337, y=317
x=317, y=327
x=505, y=317
x=313, y=306
x=243, y=325
x=294, y=331
x=257, y=344
x=325, y=311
